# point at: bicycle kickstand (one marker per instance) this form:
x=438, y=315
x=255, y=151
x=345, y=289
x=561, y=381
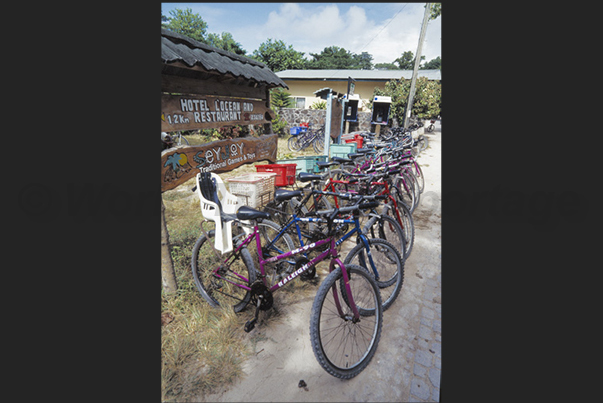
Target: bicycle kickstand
x=250, y=324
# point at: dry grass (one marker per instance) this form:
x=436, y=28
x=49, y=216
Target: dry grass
x=203, y=348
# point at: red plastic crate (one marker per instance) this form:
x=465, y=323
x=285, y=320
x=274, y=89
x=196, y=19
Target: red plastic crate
x=356, y=140
x=285, y=173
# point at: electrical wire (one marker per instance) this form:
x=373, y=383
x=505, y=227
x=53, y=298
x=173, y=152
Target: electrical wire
x=381, y=30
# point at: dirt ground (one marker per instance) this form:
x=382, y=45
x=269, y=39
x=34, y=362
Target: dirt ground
x=283, y=352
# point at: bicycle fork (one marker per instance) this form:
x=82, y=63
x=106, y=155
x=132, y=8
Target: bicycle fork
x=348, y=292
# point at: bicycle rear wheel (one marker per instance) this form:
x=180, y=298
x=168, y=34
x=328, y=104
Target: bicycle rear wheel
x=388, y=263
x=342, y=346
x=293, y=143
x=386, y=227
x=218, y=290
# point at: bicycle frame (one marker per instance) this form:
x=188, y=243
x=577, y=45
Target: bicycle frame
x=356, y=230
x=332, y=251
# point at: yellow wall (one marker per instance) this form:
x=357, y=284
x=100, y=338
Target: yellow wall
x=306, y=89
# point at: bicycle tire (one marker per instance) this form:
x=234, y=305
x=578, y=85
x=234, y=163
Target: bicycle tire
x=331, y=334
x=293, y=143
x=423, y=143
x=202, y=265
x=319, y=145
x=408, y=225
x=388, y=263
x=403, y=192
x=410, y=175
x=386, y=227
x=418, y=172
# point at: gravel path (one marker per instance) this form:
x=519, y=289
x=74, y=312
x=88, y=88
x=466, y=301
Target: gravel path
x=408, y=361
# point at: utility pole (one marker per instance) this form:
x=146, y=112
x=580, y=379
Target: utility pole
x=328, y=123
x=413, y=81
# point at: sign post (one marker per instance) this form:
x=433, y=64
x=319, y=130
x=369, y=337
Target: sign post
x=328, y=123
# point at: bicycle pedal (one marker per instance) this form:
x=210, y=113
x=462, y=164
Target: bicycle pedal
x=250, y=324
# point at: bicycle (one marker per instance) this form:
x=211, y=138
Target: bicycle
x=307, y=137
x=347, y=305
x=368, y=251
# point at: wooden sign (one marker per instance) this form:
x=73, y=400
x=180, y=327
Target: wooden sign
x=191, y=112
x=181, y=163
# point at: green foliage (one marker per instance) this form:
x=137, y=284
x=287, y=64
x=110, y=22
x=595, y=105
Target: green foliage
x=406, y=61
x=334, y=57
x=225, y=42
x=426, y=102
x=279, y=98
x=278, y=125
x=319, y=105
x=186, y=23
x=363, y=61
x=277, y=56
x=386, y=66
x=192, y=25
x=432, y=64
x=436, y=10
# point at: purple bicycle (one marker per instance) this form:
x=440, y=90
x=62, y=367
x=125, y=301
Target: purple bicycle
x=347, y=313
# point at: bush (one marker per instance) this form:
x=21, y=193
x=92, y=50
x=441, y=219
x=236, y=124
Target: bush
x=319, y=105
x=426, y=102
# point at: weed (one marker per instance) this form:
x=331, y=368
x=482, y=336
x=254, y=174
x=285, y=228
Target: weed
x=202, y=347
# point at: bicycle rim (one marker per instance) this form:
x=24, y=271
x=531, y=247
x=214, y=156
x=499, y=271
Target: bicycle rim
x=218, y=291
x=344, y=348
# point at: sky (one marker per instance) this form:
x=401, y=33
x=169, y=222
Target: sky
x=385, y=30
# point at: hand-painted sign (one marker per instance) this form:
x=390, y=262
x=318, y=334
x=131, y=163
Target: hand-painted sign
x=179, y=164
x=190, y=112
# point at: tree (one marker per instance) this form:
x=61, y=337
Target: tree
x=363, y=61
x=426, y=102
x=432, y=64
x=225, y=42
x=279, y=98
x=407, y=61
x=332, y=57
x=436, y=10
x=277, y=56
x=386, y=66
x=186, y=23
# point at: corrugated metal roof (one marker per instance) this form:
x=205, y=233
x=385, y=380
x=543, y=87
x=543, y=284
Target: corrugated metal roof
x=358, y=75
x=176, y=47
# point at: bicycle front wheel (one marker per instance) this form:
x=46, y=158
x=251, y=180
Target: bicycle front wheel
x=344, y=346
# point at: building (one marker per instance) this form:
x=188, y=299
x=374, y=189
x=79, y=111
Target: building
x=303, y=83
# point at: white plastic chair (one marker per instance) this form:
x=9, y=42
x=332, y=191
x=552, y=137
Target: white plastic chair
x=211, y=211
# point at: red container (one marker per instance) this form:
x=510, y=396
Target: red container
x=285, y=173
x=357, y=140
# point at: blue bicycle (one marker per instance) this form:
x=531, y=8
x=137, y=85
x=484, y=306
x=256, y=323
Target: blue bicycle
x=377, y=256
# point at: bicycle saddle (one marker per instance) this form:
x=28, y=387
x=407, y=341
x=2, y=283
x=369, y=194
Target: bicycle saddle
x=306, y=177
x=339, y=159
x=326, y=164
x=248, y=213
x=282, y=194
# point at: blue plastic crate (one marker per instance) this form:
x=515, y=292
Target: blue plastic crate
x=342, y=150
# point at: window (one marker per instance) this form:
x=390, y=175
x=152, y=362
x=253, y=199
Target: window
x=300, y=102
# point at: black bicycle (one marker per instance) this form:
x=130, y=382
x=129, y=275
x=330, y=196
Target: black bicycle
x=312, y=136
